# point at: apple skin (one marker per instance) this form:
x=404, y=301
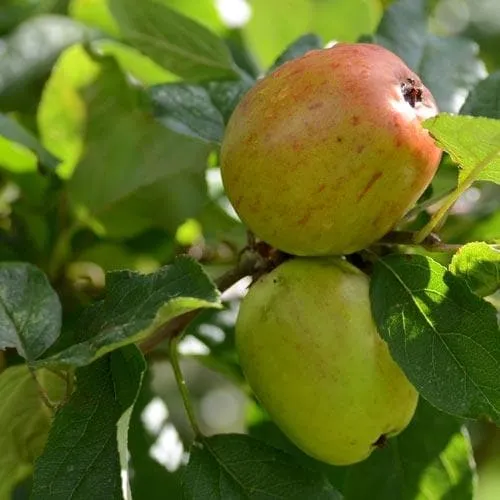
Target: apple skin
x=312, y=355
x=327, y=153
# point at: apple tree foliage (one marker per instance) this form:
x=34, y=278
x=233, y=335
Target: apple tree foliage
x=116, y=241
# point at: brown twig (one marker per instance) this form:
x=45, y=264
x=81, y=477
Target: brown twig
x=432, y=242
x=249, y=263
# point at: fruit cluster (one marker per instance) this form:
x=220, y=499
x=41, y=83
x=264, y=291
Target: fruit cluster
x=320, y=159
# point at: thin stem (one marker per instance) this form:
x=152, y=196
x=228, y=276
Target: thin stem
x=407, y=238
x=41, y=391
x=61, y=251
x=181, y=384
x=453, y=197
x=426, y=204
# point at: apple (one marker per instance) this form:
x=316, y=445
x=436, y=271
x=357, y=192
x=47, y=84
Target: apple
x=327, y=153
x=311, y=352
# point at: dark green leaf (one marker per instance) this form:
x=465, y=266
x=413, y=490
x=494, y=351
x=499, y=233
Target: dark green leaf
x=403, y=30
x=484, y=99
x=471, y=142
x=174, y=41
x=136, y=305
x=30, y=311
x=81, y=459
x=238, y=467
x=431, y=459
x=25, y=422
x=297, y=49
x=187, y=110
x=479, y=265
x=226, y=95
x=16, y=133
x=451, y=82
x=443, y=336
x=264, y=429
x=31, y=50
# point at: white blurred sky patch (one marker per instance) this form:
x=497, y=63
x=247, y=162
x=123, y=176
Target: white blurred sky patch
x=234, y=13
x=154, y=416
x=168, y=449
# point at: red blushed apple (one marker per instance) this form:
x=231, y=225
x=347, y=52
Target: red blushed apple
x=327, y=153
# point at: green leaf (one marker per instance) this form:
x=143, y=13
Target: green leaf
x=62, y=113
x=444, y=337
x=11, y=130
x=431, y=459
x=187, y=109
x=31, y=50
x=450, y=83
x=174, y=41
x=404, y=31
x=226, y=95
x=30, y=311
x=238, y=467
x=484, y=98
x=298, y=48
x=153, y=175
x=135, y=306
x=473, y=143
x=342, y=20
x=94, y=13
x=128, y=367
x=261, y=427
x=133, y=63
x=25, y=422
x=15, y=158
x=81, y=458
x=479, y=265
x=202, y=11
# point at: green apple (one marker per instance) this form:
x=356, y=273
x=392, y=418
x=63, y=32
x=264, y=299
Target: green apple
x=312, y=355
x=327, y=153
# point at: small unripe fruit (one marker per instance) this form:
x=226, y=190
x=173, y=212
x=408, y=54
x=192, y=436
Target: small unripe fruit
x=311, y=353
x=327, y=153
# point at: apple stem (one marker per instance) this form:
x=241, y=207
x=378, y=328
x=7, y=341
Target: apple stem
x=181, y=384
x=431, y=242
x=438, y=217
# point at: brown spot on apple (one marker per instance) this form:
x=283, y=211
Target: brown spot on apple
x=360, y=148
x=315, y=105
x=321, y=187
x=304, y=219
x=374, y=178
x=355, y=120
